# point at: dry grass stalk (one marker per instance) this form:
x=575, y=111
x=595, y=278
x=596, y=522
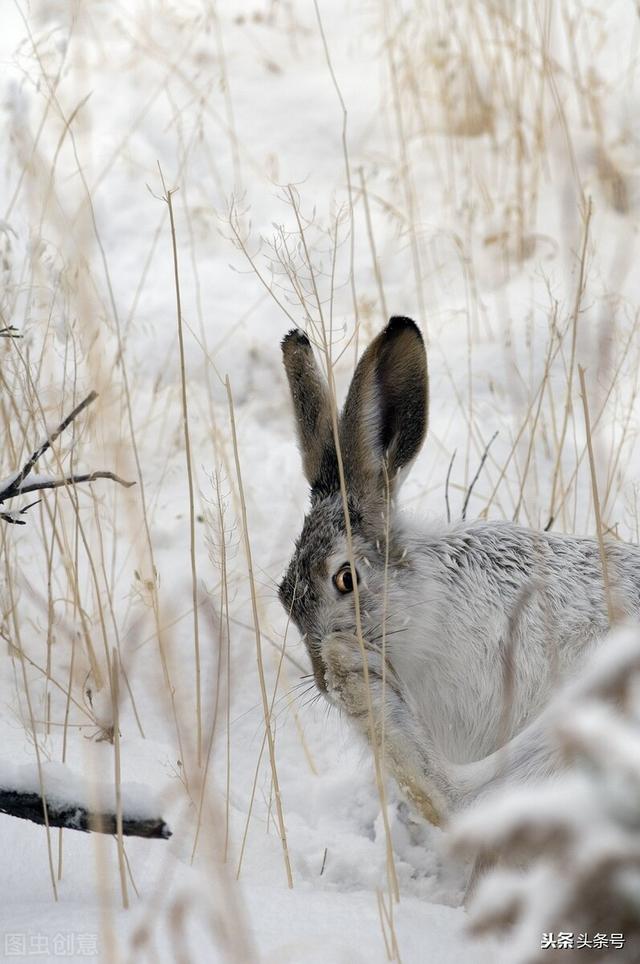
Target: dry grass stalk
x=256, y=622
x=115, y=695
x=574, y=334
x=347, y=168
x=596, y=499
x=187, y=444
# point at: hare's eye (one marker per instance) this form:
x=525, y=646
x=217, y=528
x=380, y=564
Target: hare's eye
x=343, y=580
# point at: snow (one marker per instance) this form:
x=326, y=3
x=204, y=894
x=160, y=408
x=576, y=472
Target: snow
x=33, y=478
x=9, y=480
x=61, y=785
x=83, y=293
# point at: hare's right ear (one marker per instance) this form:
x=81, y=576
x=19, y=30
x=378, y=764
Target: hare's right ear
x=311, y=404
x=384, y=420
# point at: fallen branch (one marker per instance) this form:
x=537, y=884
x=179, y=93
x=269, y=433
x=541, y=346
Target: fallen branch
x=54, y=795
x=29, y=806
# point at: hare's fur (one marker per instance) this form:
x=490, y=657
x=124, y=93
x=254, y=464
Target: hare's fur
x=479, y=621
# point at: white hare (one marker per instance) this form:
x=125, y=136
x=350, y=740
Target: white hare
x=479, y=621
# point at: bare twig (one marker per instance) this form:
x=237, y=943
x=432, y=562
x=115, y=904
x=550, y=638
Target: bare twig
x=477, y=475
x=11, y=517
x=18, y=484
x=59, y=483
x=446, y=486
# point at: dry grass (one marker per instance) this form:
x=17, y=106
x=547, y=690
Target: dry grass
x=490, y=113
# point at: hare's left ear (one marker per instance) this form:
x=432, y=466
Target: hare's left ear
x=384, y=420
x=311, y=406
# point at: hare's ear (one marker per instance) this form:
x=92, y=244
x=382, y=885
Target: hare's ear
x=311, y=405
x=384, y=420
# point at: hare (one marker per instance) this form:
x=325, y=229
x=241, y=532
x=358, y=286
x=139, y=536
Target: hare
x=468, y=628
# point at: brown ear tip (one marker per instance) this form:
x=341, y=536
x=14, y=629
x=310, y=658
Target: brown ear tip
x=399, y=323
x=295, y=338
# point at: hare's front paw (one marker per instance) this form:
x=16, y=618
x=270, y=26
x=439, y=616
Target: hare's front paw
x=347, y=684
x=378, y=709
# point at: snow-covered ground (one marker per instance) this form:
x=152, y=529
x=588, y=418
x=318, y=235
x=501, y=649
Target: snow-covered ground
x=494, y=152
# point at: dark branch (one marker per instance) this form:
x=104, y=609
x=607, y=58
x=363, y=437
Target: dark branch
x=446, y=486
x=477, y=475
x=70, y=480
x=15, y=487
x=11, y=516
x=19, y=485
x=29, y=806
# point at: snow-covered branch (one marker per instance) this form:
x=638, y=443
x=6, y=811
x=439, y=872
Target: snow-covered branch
x=70, y=803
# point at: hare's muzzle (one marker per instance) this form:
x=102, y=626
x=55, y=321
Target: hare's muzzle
x=318, y=667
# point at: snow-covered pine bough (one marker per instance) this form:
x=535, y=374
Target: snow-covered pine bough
x=442, y=609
